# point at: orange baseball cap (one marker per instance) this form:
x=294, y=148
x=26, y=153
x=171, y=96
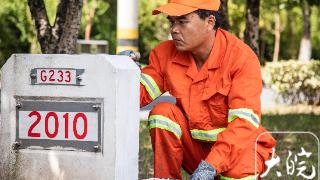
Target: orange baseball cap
x=182, y=7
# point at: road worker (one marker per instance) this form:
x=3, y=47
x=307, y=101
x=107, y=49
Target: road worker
x=214, y=130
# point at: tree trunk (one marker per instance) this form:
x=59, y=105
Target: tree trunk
x=305, y=44
x=277, y=31
x=291, y=26
x=89, y=17
x=251, y=33
x=224, y=15
x=60, y=38
x=262, y=47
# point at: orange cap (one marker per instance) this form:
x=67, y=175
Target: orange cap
x=182, y=7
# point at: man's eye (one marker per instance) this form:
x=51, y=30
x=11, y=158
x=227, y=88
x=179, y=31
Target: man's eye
x=179, y=22
x=171, y=22
x=183, y=22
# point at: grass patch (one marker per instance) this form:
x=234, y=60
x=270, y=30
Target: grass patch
x=292, y=122
x=145, y=152
x=294, y=143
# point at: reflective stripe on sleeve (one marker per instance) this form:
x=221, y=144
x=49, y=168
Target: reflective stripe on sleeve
x=150, y=85
x=253, y=177
x=244, y=113
x=204, y=135
x=162, y=122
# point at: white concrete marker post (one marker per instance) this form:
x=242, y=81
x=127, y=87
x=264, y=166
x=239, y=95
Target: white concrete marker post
x=69, y=117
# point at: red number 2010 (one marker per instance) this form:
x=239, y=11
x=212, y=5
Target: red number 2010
x=53, y=116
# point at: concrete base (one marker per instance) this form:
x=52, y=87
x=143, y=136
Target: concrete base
x=114, y=79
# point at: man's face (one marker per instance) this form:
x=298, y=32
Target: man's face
x=189, y=31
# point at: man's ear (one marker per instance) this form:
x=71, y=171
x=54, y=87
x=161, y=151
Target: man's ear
x=211, y=20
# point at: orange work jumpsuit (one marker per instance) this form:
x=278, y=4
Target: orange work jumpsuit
x=217, y=114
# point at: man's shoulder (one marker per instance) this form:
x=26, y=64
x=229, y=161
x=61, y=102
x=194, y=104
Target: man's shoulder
x=240, y=54
x=237, y=45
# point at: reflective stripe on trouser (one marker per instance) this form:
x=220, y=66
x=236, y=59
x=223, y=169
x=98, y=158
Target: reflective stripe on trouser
x=150, y=85
x=162, y=122
x=171, y=153
x=204, y=135
x=244, y=113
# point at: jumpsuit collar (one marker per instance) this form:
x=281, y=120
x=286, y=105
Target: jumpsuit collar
x=186, y=59
x=214, y=60
x=217, y=51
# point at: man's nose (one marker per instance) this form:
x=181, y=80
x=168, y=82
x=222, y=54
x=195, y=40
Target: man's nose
x=174, y=28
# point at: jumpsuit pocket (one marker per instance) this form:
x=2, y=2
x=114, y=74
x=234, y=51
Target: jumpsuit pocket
x=217, y=104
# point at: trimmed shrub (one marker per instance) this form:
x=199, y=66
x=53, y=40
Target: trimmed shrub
x=296, y=82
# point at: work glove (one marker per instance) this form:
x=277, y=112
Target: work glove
x=135, y=56
x=204, y=172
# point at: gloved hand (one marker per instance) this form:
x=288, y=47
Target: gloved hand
x=135, y=56
x=204, y=172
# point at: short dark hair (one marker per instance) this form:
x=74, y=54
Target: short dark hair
x=203, y=14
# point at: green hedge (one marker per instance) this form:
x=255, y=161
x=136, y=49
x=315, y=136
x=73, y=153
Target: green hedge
x=295, y=81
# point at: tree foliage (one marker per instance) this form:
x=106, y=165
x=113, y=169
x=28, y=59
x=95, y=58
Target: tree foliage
x=61, y=36
x=152, y=29
x=16, y=32
x=291, y=29
x=224, y=15
x=104, y=23
x=251, y=33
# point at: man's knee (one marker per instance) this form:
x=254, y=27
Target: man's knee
x=164, y=108
x=165, y=116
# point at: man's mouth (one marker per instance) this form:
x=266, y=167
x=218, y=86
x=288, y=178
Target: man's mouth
x=177, y=41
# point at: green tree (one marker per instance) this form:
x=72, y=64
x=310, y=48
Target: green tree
x=236, y=11
x=16, y=33
x=60, y=37
x=225, y=15
x=251, y=34
x=279, y=30
x=104, y=22
x=90, y=9
x=315, y=32
x=305, y=43
x=152, y=29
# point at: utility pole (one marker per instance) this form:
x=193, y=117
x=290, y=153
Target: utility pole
x=127, y=25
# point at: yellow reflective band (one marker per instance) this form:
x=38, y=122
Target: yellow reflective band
x=244, y=113
x=162, y=122
x=204, y=135
x=150, y=85
x=253, y=177
x=127, y=33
